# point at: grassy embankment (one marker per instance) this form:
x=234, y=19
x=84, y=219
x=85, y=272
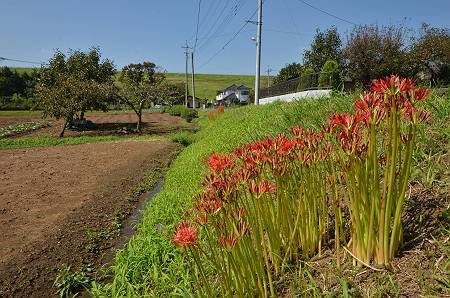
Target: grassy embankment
x=150, y=265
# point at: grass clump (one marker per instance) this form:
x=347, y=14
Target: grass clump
x=69, y=283
x=184, y=138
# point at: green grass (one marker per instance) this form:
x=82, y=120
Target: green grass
x=45, y=141
x=150, y=265
x=19, y=113
x=208, y=84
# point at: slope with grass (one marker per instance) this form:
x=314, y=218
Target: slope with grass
x=150, y=265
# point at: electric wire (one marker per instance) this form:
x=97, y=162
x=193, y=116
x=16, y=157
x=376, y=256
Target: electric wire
x=22, y=61
x=198, y=21
x=327, y=13
x=231, y=39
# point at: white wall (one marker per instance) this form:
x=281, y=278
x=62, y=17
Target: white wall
x=296, y=96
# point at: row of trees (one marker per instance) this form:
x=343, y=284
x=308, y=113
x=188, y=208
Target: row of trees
x=372, y=51
x=70, y=85
x=13, y=83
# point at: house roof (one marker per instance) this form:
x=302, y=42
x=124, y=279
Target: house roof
x=235, y=88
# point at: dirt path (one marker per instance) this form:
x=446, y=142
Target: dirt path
x=51, y=197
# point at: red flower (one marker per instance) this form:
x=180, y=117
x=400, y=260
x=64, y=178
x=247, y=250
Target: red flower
x=419, y=94
x=186, y=235
x=262, y=187
x=219, y=163
x=228, y=241
x=392, y=84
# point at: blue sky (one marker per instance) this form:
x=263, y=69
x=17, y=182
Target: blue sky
x=138, y=30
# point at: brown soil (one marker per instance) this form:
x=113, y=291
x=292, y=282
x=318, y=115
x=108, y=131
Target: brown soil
x=52, y=199
x=105, y=124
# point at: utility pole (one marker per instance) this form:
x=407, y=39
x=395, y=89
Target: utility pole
x=193, y=82
x=186, y=85
x=269, y=70
x=258, y=52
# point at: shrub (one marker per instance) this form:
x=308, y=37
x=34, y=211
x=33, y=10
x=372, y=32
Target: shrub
x=266, y=205
x=183, y=112
x=330, y=75
x=184, y=138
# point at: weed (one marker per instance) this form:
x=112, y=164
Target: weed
x=70, y=284
x=184, y=138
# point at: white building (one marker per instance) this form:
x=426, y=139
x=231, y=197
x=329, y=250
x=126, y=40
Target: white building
x=233, y=94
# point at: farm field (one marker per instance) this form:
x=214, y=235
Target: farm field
x=105, y=124
x=55, y=203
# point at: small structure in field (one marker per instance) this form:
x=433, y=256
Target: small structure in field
x=233, y=94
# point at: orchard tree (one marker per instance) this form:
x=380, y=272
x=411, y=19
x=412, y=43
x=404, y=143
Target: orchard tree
x=372, y=52
x=325, y=46
x=431, y=51
x=69, y=86
x=142, y=85
x=288, y=72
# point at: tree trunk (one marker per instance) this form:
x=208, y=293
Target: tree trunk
x=64, y=129
x=138, y=125
x=82, y=115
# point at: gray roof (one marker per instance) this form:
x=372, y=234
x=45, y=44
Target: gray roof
x=235, y=88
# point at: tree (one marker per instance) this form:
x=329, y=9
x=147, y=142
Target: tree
x=431, y=51
x=69, y=86
x=325, y=46
x=175, y=94
x=330, y=75
x=372, y=52
x=140, y=85
x=11, y=82
x=288, y=72
x=307, y=79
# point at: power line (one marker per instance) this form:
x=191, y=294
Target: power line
x=226, y=20
x=22, y=61
x=198, y=21
x=229, y=41
x=328, y=13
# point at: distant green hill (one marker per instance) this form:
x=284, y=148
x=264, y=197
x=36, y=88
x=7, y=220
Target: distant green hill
x=206, y=84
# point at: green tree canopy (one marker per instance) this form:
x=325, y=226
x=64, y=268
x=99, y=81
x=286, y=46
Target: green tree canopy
x=330, y=75
x=431, y=51
x=70, y=86
x=372, y=51
x=288, y=72
x=325, y=46
x=141, y=85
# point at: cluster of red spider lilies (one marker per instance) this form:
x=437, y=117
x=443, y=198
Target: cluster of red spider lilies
x=283, y=198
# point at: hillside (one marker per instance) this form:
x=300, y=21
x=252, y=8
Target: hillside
x=206, y=84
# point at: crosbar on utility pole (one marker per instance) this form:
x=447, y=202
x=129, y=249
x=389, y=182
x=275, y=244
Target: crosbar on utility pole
x=186, y=85
x=258, y=52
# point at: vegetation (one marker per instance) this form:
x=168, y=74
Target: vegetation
x=45, y=141
x=14, y=129
x=181, y=111
x=266, y=204
x=325, y=46
x=141, y=86
x=17, y=89
x=69, y=283
x=288, y=72
x=150, y=258
x=68, y=87
x=331, y=75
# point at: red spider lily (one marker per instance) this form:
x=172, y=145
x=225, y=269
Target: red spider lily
x=186, y=235
x=243, y=228
x=262, y=187
x=392, y=84
x=422, y=116
x=404, y=138
x=219, y=163
x=228, y=241
x=297, y=131
x=202, y=219
x=419, y=94
x=283, y=145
